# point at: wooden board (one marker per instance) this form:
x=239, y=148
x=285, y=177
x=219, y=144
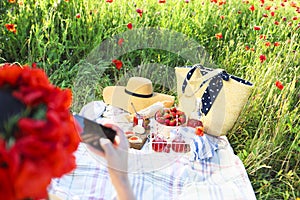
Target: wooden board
x=139, y=146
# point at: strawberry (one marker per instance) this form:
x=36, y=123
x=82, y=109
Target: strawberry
x=182, y=119
x=172, y=122
x=174, y=109
x=160, y=120
x=167, y=122
x=167, y=116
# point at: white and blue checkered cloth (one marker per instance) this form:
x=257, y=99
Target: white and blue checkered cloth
x=211, y=171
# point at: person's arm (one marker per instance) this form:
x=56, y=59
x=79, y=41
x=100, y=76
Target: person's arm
x=117, y=161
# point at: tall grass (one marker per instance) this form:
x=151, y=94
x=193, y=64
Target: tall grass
x=266, y=137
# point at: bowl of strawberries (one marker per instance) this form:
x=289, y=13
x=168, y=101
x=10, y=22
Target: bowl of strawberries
x=168, y=119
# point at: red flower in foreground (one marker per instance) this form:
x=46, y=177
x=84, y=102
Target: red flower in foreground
x=78, y=15
x=219, y=36
x=118, y=64
x=109, y=1
x=129, y=25
x=11, y=27
x=161, y=1
x=262, y=58
x=279, y=85
x=257, y=28
x=43, y=145
x=140, y=11
x=276, y=23
x=247, y=48
x=120, y=41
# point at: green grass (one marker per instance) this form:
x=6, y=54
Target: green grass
x=266, y=137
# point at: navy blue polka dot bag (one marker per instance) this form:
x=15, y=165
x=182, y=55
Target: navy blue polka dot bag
x=211, y=95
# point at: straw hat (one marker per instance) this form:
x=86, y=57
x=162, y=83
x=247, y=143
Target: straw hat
x=139, y=92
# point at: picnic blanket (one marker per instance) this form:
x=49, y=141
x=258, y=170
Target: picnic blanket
x=215, y=172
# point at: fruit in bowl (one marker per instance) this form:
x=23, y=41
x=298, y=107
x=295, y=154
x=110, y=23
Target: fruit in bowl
x=178, y=144
x=168, y=119
x=159, y=143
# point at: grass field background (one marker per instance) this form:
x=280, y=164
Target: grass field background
x=256, y=40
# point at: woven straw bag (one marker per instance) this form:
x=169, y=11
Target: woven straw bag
x=211, y=95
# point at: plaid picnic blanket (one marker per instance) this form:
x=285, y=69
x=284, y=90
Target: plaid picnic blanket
x=210, y=171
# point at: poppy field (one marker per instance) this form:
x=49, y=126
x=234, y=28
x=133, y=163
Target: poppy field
x=258, y=40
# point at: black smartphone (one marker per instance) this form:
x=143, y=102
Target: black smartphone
x=92, y=132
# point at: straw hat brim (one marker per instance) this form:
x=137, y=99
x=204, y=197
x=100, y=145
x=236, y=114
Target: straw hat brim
x=116, y=96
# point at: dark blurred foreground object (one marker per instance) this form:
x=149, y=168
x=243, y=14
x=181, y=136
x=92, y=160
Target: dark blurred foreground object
x=9, y=107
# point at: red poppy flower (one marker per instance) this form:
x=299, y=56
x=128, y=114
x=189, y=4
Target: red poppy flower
x=219, y=36
x=272, y=13
x=276, y=44
x=268, y=44
x=120, y=41
x=268, y=7
x=239, y=12
x=109, y=1
x=257, y=28
x=293, y=4
x=12, y=1
x=276, y=23
x=222, y=17
x=262, y=58
x=161, y=1
x=295, y=18
x=245, y=1
x=11, y=27
x=247, y=48
x=252, y=49
x=262, y=1
x=118, y=64
x=140, y=11
x=283, y=18
x=265, y=15
x=282, y=4
x=129, y=25
x=252, y=8
x=221, y=2
x=78, y=15
x=279, y=85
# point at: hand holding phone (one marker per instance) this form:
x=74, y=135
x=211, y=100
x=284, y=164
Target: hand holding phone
x=92, y=132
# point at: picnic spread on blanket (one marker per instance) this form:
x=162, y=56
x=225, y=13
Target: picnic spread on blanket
x=177, y=151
